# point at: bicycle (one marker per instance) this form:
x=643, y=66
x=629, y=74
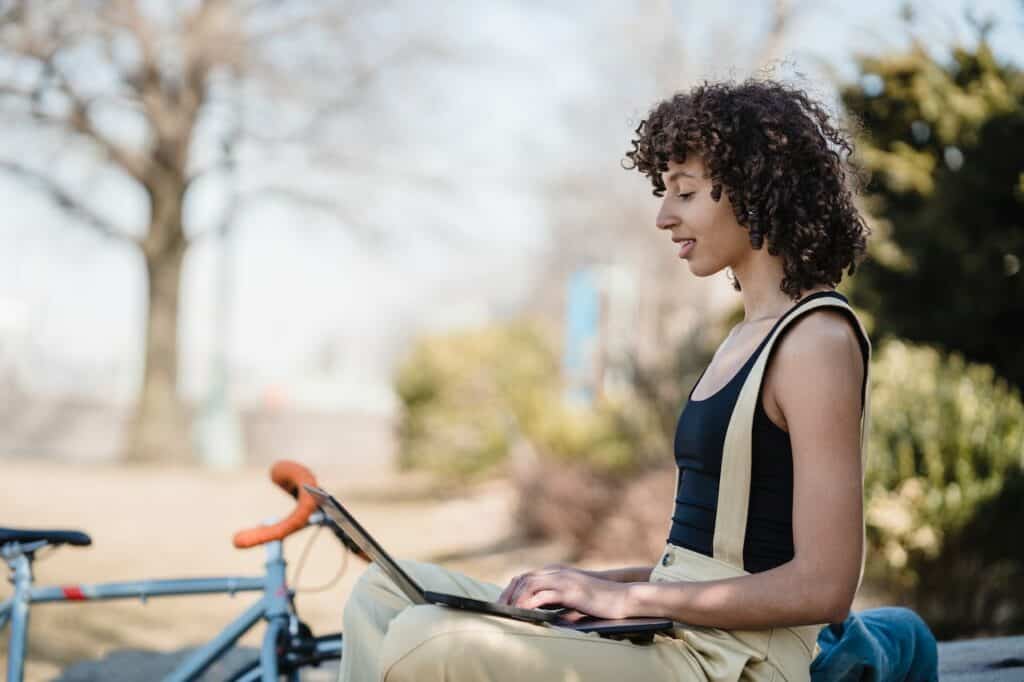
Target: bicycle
x=288, y=644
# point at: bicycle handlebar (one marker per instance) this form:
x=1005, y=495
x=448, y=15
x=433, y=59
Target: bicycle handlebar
x=290, y=476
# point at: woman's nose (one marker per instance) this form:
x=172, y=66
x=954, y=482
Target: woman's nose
x=665, y=221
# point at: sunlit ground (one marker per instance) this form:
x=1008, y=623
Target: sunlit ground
x=159, y=523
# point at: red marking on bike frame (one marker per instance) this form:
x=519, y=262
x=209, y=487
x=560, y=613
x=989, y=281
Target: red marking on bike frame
x=73, y=593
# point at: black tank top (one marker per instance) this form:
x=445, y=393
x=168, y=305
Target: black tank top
x=699, y=439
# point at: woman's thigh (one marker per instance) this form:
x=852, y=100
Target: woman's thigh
x=428, y=642
x=376, y=601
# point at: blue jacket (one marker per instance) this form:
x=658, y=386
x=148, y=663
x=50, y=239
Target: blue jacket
x=878, y=645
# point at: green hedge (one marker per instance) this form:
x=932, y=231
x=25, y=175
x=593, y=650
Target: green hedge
x=945, y=464
x=466, y=397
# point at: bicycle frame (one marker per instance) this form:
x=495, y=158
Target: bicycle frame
x=275, y=607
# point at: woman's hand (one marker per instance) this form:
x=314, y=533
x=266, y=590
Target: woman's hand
x=577, y=590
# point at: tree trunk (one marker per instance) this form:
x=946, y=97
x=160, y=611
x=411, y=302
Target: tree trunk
x=160, y=429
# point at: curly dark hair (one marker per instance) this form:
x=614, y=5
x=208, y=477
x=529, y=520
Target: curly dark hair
x=785, y=166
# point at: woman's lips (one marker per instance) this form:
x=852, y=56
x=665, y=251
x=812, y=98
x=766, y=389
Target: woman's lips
x=685, y=247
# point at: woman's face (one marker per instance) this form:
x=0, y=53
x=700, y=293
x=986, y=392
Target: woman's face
x=704, y=231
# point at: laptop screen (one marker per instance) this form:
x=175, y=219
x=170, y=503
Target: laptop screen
x=339, y=515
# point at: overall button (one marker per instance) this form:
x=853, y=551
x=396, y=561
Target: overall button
x=667, y=559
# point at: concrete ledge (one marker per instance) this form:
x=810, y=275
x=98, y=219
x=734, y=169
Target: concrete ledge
x=974, y=660
x=985, y=660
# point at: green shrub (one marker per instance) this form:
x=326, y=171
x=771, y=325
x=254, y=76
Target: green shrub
x=467, y=396
x=946, y=449
x=456, y=417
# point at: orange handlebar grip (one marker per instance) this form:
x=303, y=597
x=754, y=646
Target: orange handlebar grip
x=290, y=476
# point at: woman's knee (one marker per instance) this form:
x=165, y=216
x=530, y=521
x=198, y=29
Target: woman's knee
x=368, y=591
x=371, y=576
x=373, y=584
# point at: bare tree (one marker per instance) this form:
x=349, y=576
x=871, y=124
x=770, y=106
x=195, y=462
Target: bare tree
x=87, y=73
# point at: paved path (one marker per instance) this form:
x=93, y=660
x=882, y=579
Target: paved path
x=985, y=660
x=154, y=523
x=144, y=666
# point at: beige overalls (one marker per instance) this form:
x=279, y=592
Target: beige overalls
x=389, y=640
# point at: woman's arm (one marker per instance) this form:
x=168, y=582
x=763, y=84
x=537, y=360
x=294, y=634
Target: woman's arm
x=629, y=574
x=818, y=374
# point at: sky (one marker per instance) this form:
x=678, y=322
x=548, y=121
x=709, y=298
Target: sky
x=318, y=317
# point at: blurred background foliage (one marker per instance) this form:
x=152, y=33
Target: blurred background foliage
x=942, y=141
x=491, y=402
x=940, y=293
x=942, y=287
x=469, y=397
x=943, y=487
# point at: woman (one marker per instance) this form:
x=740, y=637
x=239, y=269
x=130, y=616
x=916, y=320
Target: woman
x=766, y=539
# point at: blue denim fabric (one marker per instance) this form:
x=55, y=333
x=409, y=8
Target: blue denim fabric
x=878, y=645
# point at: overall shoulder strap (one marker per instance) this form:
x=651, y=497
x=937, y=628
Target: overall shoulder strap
x=734, y=481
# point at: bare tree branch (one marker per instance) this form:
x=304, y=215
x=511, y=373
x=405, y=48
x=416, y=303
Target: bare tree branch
x=145, y=81
x=361, y=78
x=132, y=163
x=311, y=200
x=337, y=20
x=67, y=201
x=78, y=118
x=352, y=166
x=318, y=202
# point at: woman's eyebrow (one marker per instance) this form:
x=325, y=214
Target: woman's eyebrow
x=676, y=174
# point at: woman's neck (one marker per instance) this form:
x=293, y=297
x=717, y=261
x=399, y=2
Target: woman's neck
x=760, y=278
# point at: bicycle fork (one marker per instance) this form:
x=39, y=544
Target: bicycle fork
x=274, y=607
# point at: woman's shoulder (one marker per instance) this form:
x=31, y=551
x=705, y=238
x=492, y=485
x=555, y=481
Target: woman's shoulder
x=822, y=331
x=819, y=343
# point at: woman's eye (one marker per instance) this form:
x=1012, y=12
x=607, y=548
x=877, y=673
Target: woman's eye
x=685, y=195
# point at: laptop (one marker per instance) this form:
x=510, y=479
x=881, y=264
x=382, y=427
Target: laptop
x=637, y=629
